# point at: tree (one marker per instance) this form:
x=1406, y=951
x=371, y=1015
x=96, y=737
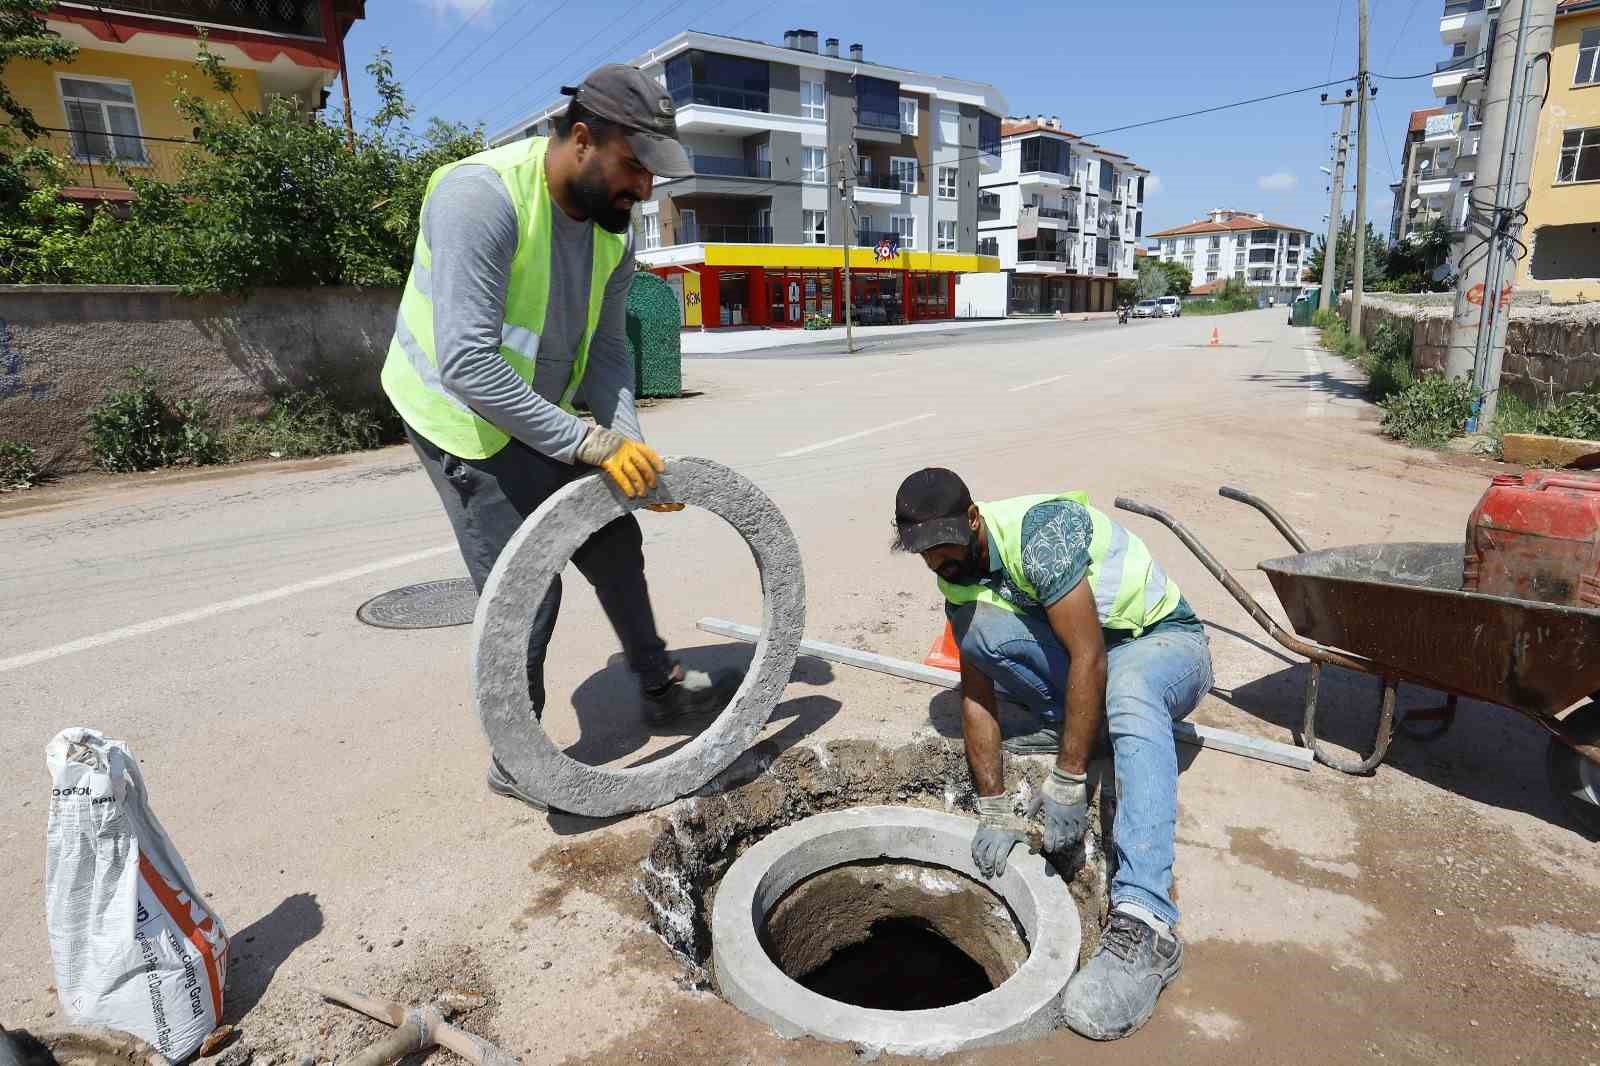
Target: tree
x=1373, y=269
x=1179, y=278
x=1153, y=281
x=24, y=34
x=1414, y=260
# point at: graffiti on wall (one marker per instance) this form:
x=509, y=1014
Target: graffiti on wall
x=11, y=368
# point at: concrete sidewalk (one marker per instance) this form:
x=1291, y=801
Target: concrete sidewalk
x=729, y=341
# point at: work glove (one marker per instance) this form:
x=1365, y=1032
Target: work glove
x=632, y=465
x=1062, y=806
x=999, y=830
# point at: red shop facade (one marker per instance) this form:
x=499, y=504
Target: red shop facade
x=785, y=297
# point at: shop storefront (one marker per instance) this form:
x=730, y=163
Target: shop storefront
x=1043, y=294
x=734, y=286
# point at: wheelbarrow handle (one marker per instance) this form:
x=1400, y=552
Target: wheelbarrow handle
x=1296, y=541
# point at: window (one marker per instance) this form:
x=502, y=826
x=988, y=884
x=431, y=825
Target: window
x=815, y=163
x=1170, y=247
x=1238, y=259
x=1580, y=156
x=1215, y=242
x=1188, y=246
x=906, y=227
x=1211, y=275
x=688, y=227
x=1588, y=53
x=697, y=77
x=905, y=172
x=947, y=236
x=949, y=124
x=1046, y=155
x=876, y=103
x=652, y=231
x=1213, y=261
x=103, y=120
x=988, y=133
x=947, y=183
x=813, y=99
x=908, y=116
x=815, y=227
x=1108, y=178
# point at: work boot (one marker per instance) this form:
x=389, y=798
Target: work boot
x=1115, y=992
x=688, y=693
x=1046, y=740
x=502, y=784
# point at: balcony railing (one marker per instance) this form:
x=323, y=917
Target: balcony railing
x=106, y=160
x=721, y=166
x=988, y=208
x=886, y=181
x=699, y=92
x=869, y=238
x=878, y=120
x=1468, y=63
x=988, y=246
x=299, y=18
x=717, y=234
x=1063, y=256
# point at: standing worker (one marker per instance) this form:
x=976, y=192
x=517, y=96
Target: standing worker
x=516, y=302
x=1066, y=611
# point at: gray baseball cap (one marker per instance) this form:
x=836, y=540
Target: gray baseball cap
x=632, y=99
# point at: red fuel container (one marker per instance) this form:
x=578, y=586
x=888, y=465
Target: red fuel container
x=1536, y=536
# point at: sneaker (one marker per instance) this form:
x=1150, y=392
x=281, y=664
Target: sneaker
x=688, y=693
x=501, y=784
x=1046, y=740
x=1115, y=992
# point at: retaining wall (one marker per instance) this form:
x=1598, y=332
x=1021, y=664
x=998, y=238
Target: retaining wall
x=1551, y=349
x=63, y=347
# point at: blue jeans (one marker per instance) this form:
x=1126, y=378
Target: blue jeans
x=1150, y=683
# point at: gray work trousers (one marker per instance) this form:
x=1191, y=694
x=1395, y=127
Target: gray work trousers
x=487, y=501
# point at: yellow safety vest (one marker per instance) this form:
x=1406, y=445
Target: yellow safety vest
x=1131, y=591
x=411, y=370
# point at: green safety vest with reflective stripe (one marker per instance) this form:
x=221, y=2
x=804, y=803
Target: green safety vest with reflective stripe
x=1131, y=591
x=411, y=370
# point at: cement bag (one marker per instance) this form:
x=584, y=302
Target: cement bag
x=135, y=946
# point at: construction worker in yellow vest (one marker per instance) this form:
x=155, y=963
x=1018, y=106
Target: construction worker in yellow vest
x=1065, y=612
x=514, y=308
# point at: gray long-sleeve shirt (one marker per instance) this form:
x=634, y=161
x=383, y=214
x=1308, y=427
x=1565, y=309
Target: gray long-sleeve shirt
x=471, y=229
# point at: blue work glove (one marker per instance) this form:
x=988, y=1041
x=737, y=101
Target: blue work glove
x=1062, y=807
x=999, y=830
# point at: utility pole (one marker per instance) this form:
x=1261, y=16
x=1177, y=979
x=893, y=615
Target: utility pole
x=847, y=177
x=1363, y=75
x=1336, y=201
x=1511, y=103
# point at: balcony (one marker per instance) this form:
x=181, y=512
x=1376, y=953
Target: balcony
x=886, y=190
x=294, y=18
x=1063, y=215
x=1041, y=260
x=988, y=246
x=719, y=166
x=717, y=234
x=1461, y=20
x=988, y=207
x=99, y=165
x=869, y=238
x=708, y=95
x=727, y=111
x=1452, y=74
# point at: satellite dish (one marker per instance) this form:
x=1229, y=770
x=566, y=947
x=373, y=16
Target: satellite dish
x=1424, y=164
x=1443, y=272
x=1416, y=203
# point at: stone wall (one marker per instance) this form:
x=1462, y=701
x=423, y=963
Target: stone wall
x=63, y=347
x=1551, y=349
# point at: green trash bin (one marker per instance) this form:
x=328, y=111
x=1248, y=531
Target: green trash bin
x=1304, y=307
x=655, y=326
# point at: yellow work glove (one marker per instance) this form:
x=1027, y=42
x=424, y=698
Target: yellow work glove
x=632, y=465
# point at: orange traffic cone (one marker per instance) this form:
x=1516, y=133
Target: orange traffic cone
x=1213, y=337
x=944, y=655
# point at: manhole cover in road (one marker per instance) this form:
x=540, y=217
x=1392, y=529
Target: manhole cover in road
x=430, y=605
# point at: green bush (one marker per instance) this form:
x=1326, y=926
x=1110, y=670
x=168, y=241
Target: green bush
x=313, y=422
x=18, y=467
x=819, y=320
x=135, y=429
x=1326, y=318
x=1429, y=413
x=1387, y=361
x=1577, y=415
x=1234, y=296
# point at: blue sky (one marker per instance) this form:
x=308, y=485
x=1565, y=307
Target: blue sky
x=1097, y=66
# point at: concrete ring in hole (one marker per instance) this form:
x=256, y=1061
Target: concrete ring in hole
x=516, y=587
x=1021, y=1008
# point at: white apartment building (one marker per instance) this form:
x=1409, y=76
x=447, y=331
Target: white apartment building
x=1450, y=139
x=754, y=235
x=1268, y=256
x=1063, y=215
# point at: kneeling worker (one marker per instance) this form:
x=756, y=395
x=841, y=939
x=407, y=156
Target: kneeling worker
x=516, y=302
x=1066, y=611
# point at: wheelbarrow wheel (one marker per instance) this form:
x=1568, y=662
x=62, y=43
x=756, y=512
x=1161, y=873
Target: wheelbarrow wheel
x=1574, y=780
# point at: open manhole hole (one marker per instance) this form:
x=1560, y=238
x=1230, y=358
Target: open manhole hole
x=807, y=900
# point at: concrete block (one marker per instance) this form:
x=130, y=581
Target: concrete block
x=1535, y=449
x=540, y=550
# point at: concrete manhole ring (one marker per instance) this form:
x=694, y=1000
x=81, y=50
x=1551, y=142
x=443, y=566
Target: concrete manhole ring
x=1022, y=1008
x=430, y=605
x=540, y=550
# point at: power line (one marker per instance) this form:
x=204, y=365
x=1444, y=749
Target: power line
x=1387, y=151
x=1333, y=48
x=1412, y=10
x=491, y=62
x=1464, y=63
x=437, y=52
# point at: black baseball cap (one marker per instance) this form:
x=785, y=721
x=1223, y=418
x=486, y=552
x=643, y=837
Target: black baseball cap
x=931, y=509
x=632, y=99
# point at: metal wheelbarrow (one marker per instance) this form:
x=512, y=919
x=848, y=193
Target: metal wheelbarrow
x=1397, y=612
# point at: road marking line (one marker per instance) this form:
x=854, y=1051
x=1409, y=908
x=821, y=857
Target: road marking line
x=851, y=436
x=1036, y=384
x=155, y=625
x=1315, y=403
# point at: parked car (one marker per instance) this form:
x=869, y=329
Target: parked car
x=1147, y=309
x=1171, y=307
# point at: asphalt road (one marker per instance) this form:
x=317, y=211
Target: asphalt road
x=324, y=779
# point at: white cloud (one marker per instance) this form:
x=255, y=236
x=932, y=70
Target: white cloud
x=452, y=11
x=1282, y=181
x=1152, y=185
